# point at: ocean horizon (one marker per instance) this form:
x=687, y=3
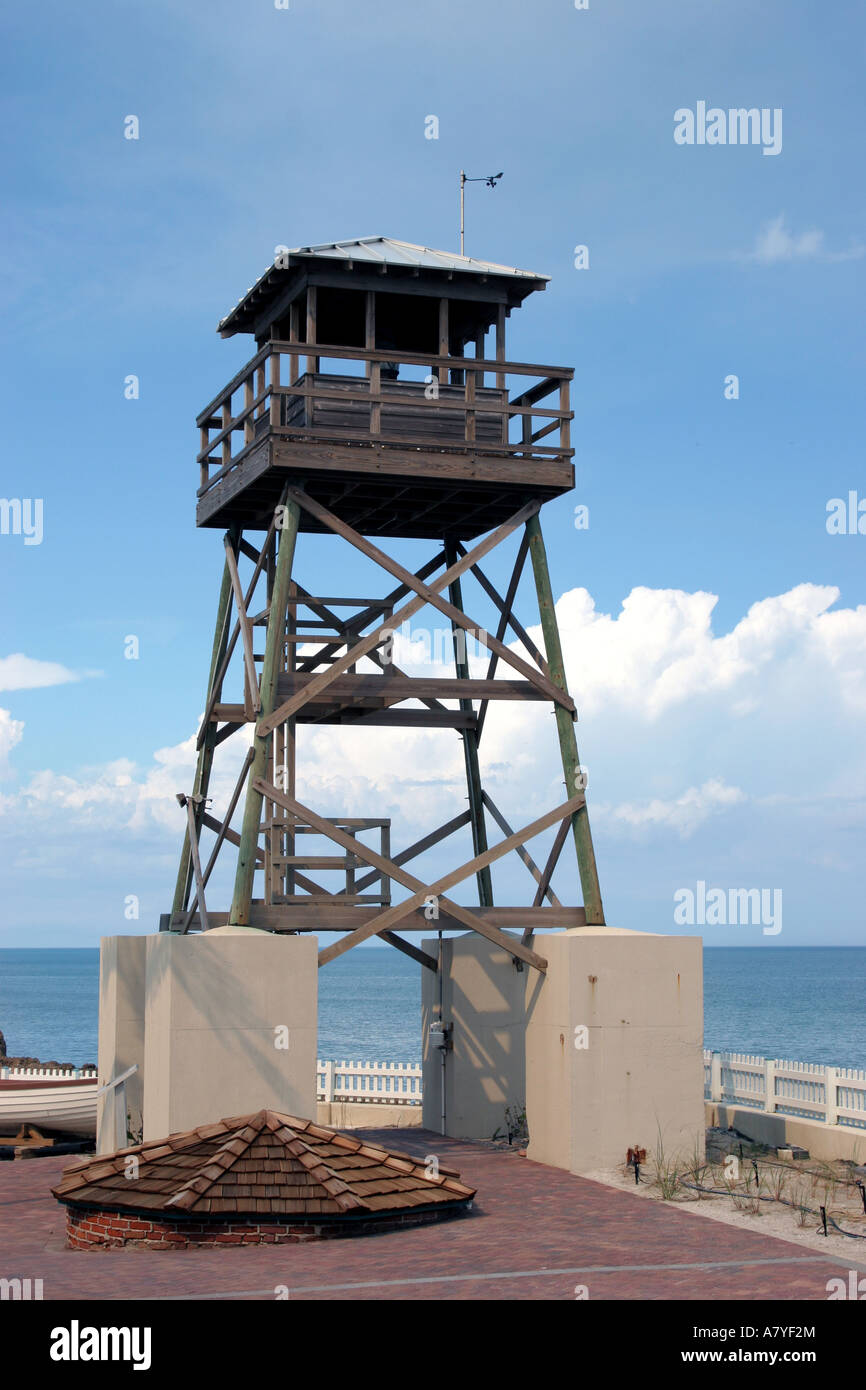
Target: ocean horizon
x=799, y=1003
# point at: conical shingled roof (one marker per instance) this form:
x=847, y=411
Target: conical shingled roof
x=252, y=1165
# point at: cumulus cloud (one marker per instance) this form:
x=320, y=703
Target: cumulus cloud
x=776, y=243
x=698, y=744
x=10, y=734
x=684, y=814
x=20, y=672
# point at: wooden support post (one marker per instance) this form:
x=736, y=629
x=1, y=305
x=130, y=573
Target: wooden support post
x=243, y=892
x=192, y=837
x=249, y=397
x=223, y=830
x=500, y=344
x=294, y=337
x=373, y=369
x=565, y=407
x=565, y=725
x=252, y=703
x=470, y=742
x=469, y=398
x=204, y=761
x=312, y=362
x=275, y=415
x=443, y=338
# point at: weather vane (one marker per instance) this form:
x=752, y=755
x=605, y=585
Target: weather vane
x=490, y=179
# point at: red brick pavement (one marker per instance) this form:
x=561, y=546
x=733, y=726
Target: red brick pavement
x=534, y=1233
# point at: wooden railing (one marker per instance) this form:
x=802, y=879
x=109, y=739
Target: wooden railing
x=464, y=413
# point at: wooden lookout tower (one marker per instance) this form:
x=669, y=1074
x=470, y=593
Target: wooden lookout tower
x=381, y=402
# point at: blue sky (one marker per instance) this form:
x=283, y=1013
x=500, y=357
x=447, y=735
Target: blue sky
x=259, y=127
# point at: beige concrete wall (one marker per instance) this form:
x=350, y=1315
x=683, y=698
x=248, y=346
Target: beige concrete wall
x=483, y=997
x=121, y=1031
x=639, y=1079
x=821, y=1141
x=349, y=1114
x=213, y=1004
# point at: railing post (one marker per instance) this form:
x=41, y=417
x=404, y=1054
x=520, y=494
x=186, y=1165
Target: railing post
x=375, y=406
x=249, y=397
x=204, y=466
x=769, y=1086
x=275, y=399
x=831, y=1081
x=469, y=404
x=226, y=421
x=565, y=423
x=716, y=1076
x=442, y=372
x=329, y=1081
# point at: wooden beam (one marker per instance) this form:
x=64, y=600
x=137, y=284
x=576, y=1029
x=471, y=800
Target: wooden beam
x=520, y=560
x=443, y=339
x=335, y=915
x=253, y=700
x=505, y=610
x=221, y=835
x=500, y=344
x=231, y=835
x=521, y=850
x=192, y=832
x=420, y=891
x=244, y=876
x=374, y=610
x=421, y=846
x=321, y=682
x=414, y=952
x=547, y=872
x=428, y=593
x=565, y=725
x=312, y=362
x=206, y=746
x=213, y=695
x=470, y=744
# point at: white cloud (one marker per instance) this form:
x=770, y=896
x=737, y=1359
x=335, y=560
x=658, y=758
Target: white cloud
x=776, y=243
x=701, y=747
x=684, y=814
x=20, y=672
x=11, y=731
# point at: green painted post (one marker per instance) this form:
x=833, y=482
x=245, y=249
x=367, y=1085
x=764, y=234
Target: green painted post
x=565, y=725
x=279, y=603
x=206, y=752
x=470, y=744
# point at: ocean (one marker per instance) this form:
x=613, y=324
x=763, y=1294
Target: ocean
x=797, y=1003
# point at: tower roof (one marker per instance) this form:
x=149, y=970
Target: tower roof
x=261, y=1163
x=376, y=252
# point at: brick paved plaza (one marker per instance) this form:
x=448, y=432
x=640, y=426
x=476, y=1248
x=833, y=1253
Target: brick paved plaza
x=534, y=1233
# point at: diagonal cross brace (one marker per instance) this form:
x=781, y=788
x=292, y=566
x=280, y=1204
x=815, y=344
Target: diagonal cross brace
x=420, y=891
x=385, y=629
x=429, y=592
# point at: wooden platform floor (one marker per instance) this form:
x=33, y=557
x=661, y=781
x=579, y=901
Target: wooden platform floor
x=534, y=1233
x=382, y=489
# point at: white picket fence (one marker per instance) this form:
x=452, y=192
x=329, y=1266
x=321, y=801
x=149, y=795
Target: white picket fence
x=48, y=1073
x=835, y=1095
x=398, y=1083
